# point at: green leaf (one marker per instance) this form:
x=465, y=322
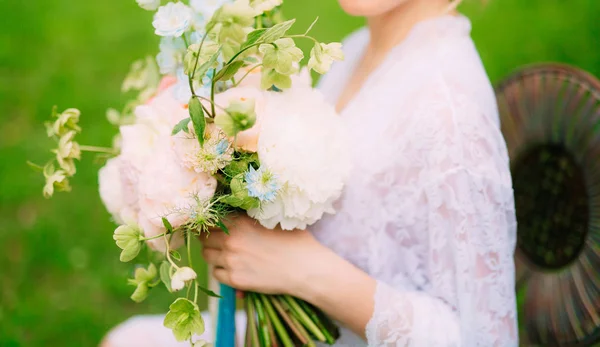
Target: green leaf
x=209, y=292
x=197, y=116
x=229, y=70
x=210, y=63
x=253, y=38
x=276, y=32
x=167, y=225
x=176, y=255
x=311, y=26
x=239, y=195
x=165, y=275
x=181, y=126
x=223, y=227
x=184, y=319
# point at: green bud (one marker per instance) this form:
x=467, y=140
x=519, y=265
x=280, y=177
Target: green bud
x=129, y=239
x=239, y=116
x=239, y=194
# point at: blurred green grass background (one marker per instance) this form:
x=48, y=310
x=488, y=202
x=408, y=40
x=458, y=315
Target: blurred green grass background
x=61, y=283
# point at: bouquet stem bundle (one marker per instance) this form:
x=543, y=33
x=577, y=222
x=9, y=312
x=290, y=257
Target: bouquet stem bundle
x=282, y=320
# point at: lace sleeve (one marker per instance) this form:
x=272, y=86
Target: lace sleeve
x=464, y=212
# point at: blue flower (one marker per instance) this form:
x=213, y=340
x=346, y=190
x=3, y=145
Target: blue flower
x=262, y=184
x=221, y=147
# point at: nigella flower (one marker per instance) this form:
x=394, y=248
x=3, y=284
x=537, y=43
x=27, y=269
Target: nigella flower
x=262, y=184
x=215, y=154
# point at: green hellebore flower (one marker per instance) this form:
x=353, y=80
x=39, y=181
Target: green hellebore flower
x=129, y=239
x=184, y=319
x=281, y=56
x=323, y=55
x=270, y=77
x=55, y=179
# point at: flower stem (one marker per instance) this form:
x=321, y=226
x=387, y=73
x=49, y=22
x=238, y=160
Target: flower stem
x=295, y=326
x=189, y=249
x=153, y=237
x=302, y=37
x=303, y=318
x=281, y=332
x=212, y=102
x=98, y=149
x=251, y=329
x=196, y=291
x=246, y=74
x=212, y=93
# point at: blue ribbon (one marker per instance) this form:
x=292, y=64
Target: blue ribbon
x=226, y=318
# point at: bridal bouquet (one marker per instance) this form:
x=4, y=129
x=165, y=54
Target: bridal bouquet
x=224, y=121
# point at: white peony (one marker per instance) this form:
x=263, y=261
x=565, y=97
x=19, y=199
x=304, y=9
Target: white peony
x=173, y=19
x=148, y=5
x=304, y=143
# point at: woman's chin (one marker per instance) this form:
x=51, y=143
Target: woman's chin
x=368, y=8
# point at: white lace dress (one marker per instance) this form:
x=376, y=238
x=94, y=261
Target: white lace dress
x=429, y=210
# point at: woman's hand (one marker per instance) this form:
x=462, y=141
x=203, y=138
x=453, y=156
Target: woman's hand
x=254, y=258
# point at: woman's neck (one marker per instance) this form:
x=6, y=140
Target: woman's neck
x=390, y=28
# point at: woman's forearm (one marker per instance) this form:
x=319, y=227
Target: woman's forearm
x=338, y=288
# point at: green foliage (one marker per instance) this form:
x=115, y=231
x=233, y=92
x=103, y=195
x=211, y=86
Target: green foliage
x=197, y=116
x=80, y=61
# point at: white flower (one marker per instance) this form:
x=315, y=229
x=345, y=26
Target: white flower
x=173, y=19
x=305, y=144
x=214, y=155
x=322, y=56
x=148, y=5
x=181, y=276
x=170, y=57
x=262, y=184
x=206, y=8
x=265, y=5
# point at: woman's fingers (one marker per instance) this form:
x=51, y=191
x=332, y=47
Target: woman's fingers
x=214, y=240
x=223, y=276
x=213, y=257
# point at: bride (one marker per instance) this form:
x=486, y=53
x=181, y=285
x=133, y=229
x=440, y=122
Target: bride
x=420, y=252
